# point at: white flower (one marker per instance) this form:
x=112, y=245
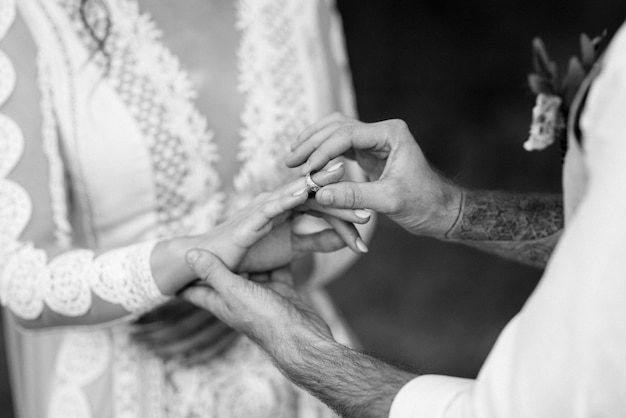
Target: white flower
x=545, y=122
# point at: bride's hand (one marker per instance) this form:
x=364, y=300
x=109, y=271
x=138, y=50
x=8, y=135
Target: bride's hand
x=263, y=228
x=283, y=245
x=231, y=240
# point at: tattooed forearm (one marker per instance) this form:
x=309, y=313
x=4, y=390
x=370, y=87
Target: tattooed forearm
x=524, y=227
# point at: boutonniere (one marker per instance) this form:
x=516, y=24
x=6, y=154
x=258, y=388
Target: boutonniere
x=556, y=92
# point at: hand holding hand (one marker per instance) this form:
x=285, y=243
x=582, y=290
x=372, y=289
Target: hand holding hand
x=257, y=227
x=402, y=184
x=234, y=238
x=270, y=313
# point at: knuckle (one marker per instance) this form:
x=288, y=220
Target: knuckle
x=267, y=210
x=353, y=197
x=207, y=268
x=399, y=125
x=241, y=235
x=346, y=131
x=336, y=115
x=394, y=198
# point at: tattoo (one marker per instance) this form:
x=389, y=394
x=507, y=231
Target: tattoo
x=351, y=383
x=524, y=227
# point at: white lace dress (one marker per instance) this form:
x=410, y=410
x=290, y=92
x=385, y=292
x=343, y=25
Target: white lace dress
x=125, y=159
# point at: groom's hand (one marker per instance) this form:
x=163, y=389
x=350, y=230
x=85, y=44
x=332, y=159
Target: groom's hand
x=402, y=184
x=270, y=313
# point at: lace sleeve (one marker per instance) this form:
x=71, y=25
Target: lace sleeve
x=73, y=287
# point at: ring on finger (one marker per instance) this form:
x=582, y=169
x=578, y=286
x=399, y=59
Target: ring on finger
x=311, y=186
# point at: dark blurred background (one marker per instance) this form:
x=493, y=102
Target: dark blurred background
x=455, y=70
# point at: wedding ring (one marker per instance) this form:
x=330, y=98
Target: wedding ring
x=311, y=186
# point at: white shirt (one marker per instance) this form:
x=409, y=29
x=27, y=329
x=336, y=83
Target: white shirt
x=564, y=354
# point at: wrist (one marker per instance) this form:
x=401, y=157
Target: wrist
x=296, y=357
x=169, y=267
x=444, y=214
x=453, y=211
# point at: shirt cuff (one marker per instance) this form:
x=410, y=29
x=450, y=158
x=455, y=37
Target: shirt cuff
x=429, y=396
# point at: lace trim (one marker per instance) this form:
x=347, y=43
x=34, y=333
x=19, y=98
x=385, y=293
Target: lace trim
x=125, y=278
x=279, y=58
x=82, y=359
x=66, y=289
x=27, y=284
x=50, y=136
x=159, y=94
x=11, y=144
x=243, y=383
x=271, y=81
x=22, y=276
x=126, y=376
x=7, y=16
x=15, y=204
x=186, y=130
x=69, y=401
x=122, y=277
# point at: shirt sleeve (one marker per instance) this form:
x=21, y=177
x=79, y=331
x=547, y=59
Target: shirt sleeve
x=563, y=354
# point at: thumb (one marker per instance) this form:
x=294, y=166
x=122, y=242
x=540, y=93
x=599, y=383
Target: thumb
x=213, y=271
x=350, y=195
x=206, y=298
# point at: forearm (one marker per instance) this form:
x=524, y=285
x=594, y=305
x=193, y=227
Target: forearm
x=53, y=287
x=523, y=227
x=351, y=383
x=49, y=287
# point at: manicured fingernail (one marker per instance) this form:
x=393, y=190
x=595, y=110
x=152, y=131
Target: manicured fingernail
x=335, y=167
x=324, y=197
x=361, y=245
x=300, y=192
x=192, y=256
x=362, y=213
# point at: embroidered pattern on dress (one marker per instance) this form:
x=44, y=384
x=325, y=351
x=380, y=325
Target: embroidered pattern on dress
x=26, y=281
x=50, y=136
x=159, y=95
x=242, y=383
x=272, y=80
x=82, y=358
x=173, y=134
x=15, y=204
